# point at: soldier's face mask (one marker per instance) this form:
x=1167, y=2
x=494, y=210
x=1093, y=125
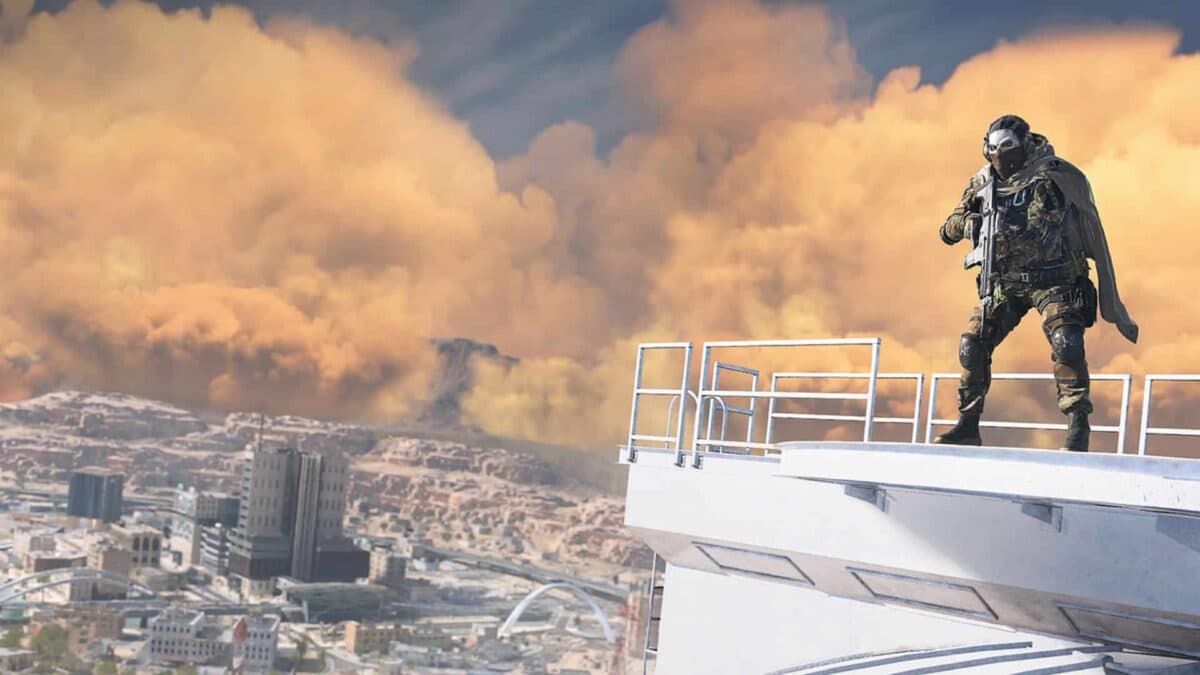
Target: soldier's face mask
x=1004, y=150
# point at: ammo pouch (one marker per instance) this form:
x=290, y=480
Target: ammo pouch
x=1086, y=301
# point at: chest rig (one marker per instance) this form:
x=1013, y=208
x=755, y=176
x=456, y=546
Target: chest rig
x=1030, y=247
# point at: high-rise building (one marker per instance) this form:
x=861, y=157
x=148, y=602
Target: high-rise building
x=261, y=544
x=320, y=504
x=290, y=519
x=95, y=492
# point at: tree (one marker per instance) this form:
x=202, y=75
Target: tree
x=50, y=643
x=12, y=638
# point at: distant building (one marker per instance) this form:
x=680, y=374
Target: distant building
x=106, y=554
x=95, y=492
x=214, y=549
x=15, y=660
x=33, y=539
x=86, y=625
x=319, y=549
x=388, y=566
x=143, y=543
x=195, y=510
x=261, y=545
x=103, y=553
x=255, y=643
x=60, y=557
x=365, y=638
x=290, y=520
x=183, y=636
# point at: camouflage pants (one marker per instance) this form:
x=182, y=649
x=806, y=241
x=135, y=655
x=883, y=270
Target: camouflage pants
x=1062, y=324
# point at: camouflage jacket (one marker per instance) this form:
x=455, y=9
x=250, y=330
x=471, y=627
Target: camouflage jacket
x=1033, y=235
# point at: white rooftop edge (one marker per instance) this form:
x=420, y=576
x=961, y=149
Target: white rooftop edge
x=1138, y=482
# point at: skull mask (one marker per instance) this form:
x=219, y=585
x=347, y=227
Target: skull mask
x=1005, y=150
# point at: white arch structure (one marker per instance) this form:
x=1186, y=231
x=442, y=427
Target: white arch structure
x=12, y=590
x=528, y=600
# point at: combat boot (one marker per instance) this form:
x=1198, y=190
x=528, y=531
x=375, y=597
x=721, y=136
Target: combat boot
x=965, y=432
x=1078, y=431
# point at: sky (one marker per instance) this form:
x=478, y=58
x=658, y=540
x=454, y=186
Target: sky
x=276, y=206
x=513, y=68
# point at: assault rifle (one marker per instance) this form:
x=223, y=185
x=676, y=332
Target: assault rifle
x=984, y=253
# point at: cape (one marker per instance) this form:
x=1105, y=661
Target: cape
x=1084, y=231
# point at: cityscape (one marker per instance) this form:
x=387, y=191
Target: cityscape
x=137, y=537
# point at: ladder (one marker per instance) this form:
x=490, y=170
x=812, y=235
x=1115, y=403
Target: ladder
x=654, y=594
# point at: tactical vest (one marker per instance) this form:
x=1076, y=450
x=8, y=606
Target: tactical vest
x=1031, y=245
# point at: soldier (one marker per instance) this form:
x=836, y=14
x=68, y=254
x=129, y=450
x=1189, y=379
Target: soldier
x=1047, y=229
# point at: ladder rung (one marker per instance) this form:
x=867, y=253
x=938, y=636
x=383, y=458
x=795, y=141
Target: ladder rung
x=659, y=589
x=650, y=391
x=652, y=650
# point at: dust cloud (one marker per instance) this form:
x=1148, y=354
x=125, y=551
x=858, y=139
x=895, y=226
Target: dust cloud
x=203, y=209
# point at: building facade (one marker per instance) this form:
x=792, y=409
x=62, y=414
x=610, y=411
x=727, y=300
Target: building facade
x=365, y=638
x=95, y=492
x=143, y=543
x=85, y=624
x=290, y=519
x=183, y=636
x=388, y=566
x=195, y=510
x=261, y=544
x=214, y=549
x=255, y=643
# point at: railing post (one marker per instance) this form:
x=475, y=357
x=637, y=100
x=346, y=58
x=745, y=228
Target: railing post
x=683, y=392
x=715, y=383
x=1126, y=387
x=771, y=409
x=871, y=391
x=916, y=424
x=631, y=452
x=704, y=359
x=753, y=409
x=933, y=387
x=1146, y=389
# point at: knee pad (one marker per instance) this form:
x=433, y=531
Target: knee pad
x=1066, y=344
x=971, y=352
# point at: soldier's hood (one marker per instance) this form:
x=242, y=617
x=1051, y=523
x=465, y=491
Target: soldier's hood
x=1084, y=229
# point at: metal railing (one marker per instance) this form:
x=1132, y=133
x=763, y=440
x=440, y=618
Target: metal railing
x=1126, y=385
x=726, y=409
x=914, y=421
x=638, y=391
x=1147, y=393
x=711, y=398
x=717, y=396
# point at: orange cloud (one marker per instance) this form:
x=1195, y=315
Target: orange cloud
x=826, y=224
x=205, y=210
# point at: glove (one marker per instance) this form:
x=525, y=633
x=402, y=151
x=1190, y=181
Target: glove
x=971, y=224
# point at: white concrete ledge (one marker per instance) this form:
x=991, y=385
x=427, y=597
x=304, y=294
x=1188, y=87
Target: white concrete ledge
x=1157, y=484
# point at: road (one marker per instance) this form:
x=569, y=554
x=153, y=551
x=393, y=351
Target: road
x=596, y=588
